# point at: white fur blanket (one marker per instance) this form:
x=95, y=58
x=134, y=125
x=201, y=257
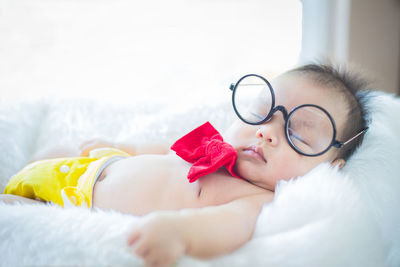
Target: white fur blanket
x=325, y=218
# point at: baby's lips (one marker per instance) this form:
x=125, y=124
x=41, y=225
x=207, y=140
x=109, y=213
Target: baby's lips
x=260, y=151
x=257, y=150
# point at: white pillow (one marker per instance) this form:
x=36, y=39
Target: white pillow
x=326, y=218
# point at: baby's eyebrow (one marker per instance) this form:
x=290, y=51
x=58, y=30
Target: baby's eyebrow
x=309, y=124
x=316, y=113
x=300, y=122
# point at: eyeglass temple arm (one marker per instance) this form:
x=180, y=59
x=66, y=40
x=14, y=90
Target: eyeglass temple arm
x=341, y=144
x=232, y=86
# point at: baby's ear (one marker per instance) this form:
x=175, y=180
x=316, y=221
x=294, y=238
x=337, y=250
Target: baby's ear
x=338, y=162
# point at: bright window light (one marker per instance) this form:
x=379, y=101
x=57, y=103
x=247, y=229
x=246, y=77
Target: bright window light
x=122, y=50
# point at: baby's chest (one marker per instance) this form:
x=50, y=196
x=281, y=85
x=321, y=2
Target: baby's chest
x=139, y=186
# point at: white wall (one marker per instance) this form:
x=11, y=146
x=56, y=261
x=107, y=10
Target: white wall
x=363, y=33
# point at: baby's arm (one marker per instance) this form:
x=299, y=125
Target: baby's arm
x=138, y=149
x=217, y=230
x=202, y=233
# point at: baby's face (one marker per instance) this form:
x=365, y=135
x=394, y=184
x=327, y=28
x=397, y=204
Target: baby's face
x=264, y=155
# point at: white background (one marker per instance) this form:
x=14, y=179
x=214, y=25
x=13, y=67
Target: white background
x=118, y=50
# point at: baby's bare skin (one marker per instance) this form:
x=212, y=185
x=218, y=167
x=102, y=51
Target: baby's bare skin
x=145, y=183
x=224, y=209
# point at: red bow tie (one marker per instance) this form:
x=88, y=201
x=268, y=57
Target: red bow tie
x=206, y=149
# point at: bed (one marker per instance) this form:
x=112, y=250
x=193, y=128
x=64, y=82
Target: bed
x=325, y=218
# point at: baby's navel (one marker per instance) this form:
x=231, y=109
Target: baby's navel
x=199, y=192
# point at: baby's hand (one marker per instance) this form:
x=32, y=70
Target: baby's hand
x=87, y=146
x=158, y=238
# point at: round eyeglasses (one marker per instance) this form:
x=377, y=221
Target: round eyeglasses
x=309, y=129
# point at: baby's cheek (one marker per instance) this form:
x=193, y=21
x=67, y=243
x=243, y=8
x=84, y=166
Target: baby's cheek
x=299, y=170
x=243, y=169
x=290, y=169
x=230, y=136
x=237, y=134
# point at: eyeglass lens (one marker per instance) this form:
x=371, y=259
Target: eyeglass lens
x=253, y=99
x=309, y=129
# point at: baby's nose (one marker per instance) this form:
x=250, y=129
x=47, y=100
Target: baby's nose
x=268, y=134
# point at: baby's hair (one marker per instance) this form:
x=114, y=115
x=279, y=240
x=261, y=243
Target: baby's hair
x=352, y=87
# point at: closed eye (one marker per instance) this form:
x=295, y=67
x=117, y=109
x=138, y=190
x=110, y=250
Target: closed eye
x=257, y=116
x=293, y=135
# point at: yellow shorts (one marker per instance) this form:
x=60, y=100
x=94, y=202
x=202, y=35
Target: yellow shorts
x=63, y=181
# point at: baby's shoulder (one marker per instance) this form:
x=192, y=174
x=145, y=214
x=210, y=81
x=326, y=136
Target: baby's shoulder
x=258, y=199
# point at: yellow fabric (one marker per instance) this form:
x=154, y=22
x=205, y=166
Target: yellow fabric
x=63, y=181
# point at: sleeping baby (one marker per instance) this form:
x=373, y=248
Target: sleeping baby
x=202, y=196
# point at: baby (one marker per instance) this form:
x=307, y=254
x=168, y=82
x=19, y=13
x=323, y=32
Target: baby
x=306, y=116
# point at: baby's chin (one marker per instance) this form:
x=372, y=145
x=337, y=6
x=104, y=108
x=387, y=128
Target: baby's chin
x=266, y=186
x=250, y=177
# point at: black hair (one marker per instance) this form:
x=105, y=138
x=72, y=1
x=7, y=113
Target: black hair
x=353, y=87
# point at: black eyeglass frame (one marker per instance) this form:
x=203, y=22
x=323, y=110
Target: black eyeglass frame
x=286, y=116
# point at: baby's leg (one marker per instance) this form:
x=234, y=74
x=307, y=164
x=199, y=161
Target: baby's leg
x=55, y=152
x=11, y=199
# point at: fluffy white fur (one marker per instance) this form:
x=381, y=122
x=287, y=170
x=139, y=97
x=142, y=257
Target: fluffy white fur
x=325, y=218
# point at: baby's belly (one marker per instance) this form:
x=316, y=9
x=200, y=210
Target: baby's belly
x=146, y=183
x=142, y=184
